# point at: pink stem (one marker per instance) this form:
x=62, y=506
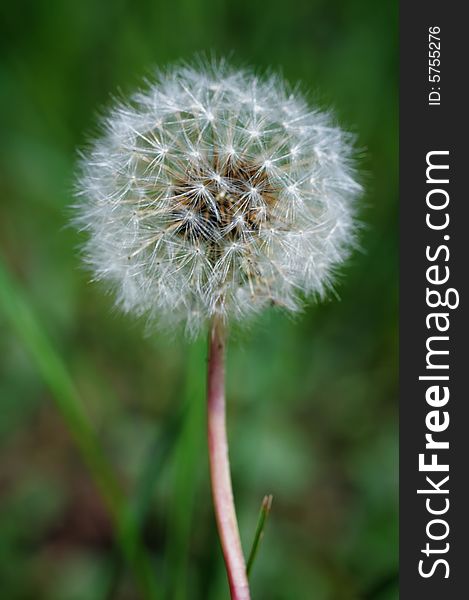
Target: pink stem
x=220, y=468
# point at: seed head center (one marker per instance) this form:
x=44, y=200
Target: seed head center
x=231, y=205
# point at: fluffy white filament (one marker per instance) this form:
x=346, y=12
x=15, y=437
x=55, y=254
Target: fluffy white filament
x=216, y=192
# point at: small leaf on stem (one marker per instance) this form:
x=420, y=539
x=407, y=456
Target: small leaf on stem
x=263, y=515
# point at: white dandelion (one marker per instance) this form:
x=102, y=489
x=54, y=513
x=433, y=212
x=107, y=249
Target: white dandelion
x=210, y=195
x=215, y=193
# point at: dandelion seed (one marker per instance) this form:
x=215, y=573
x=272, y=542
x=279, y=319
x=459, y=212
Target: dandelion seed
x=196, y=159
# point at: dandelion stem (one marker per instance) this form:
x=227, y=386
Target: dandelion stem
x=220, y=467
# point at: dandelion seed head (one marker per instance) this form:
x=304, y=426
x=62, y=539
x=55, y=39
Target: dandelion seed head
x=216, y=192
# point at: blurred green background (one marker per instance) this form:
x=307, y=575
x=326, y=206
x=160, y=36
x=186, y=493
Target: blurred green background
x=312, y=400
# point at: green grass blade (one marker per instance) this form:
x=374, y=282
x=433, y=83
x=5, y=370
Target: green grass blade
x=159, y=452
x=263, y=515
x=53, y=370
x=187, y=461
